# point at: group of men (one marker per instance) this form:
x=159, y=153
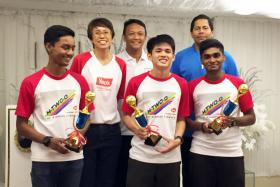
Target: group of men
x=179, y=96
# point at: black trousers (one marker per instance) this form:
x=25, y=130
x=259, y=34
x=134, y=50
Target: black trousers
x=212, y=171
x=141, y=174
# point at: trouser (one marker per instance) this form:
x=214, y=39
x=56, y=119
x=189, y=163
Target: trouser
x=213, y=171
x=101, y=155
x=56, y=174
x=141, y=174
x=123, y=161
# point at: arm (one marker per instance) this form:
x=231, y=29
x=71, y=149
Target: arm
x=131, y=124
x=231, y=67
x=198, y=126
x=31, y=133
x=249, y=118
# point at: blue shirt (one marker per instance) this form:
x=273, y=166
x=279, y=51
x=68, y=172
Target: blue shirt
x=187, y=64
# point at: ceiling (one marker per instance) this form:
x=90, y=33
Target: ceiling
x=170, y=8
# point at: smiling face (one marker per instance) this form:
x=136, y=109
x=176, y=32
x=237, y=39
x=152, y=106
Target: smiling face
x=212, y=59
x=62, y=51
x=101, y=37
x=201, y=31
x=134, y=36
x=162, y=56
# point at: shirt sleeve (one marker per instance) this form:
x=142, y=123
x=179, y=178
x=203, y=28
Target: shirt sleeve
x=26, y=100
x=129, y=91
x=122, y=86
x=184, y=107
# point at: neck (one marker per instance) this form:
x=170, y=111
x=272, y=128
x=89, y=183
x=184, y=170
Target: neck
x=196, y=45
x=135, y=53
x=103, y=55
x=55, y=70
x=161, y=74
x=214, y=76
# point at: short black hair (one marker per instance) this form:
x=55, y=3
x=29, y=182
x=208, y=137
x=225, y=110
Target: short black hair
x=53, y=33
x=100, y=22
x=132, y=21
x=202, y=16
x=162, y=38
x=209, y=43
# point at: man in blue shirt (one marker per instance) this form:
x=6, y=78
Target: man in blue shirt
x=187, y=64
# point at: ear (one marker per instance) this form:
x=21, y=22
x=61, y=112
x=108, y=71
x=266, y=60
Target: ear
x=48, y=47
x=149, y=56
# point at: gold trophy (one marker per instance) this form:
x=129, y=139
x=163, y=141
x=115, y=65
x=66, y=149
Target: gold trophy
x=153, y=137
x=217, y=124
x=76, y=140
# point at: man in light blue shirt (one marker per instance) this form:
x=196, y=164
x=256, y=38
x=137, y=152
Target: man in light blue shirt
x=187, y=64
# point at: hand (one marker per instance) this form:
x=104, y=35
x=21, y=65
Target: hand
x=227, y=121
x=171, y=144
x=205, y=128
x=142, y=133
x=58, y=145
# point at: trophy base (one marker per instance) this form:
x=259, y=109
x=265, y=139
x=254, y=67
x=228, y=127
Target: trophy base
x=153, y=139
x=217, y=125
x=73, y=148
x=24, y=142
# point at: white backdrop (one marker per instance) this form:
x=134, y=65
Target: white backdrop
x=253, y=42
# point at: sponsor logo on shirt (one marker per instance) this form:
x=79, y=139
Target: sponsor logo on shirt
x=101, y=81
x=60, y=104
x=215, y=105
x=161, y=104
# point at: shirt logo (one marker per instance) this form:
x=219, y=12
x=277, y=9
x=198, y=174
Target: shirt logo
x=60, y=104
x=161, y=104
x=101, y=81
x=215, y=105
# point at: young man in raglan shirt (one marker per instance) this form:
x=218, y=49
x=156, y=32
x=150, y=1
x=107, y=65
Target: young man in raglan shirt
x=217, y=160
x=163, y=97
x=53, y=96
x=187, y=65
x=137, y=62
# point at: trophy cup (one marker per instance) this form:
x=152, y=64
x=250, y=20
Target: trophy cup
x=153, y=136
x=217, y=124
x=76, y=140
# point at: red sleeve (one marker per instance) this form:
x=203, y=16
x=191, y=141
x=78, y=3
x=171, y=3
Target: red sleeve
x=123, y=70
x=84, y=89
x=191, y=86
x=79, y=62
x=184, y=107
x=26, y=98
x=132, y=89
x=245, y=101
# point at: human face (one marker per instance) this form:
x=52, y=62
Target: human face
x=201, y=31
x=212, y=59
x=162, y=56
x=101, y=37
x=134, y=37
x=62, y=51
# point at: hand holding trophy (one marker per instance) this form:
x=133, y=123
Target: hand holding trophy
x=153, y=137
x=218, y=123
x=76, y=140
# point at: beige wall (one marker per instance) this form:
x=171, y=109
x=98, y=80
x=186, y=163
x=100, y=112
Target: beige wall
x=267, y=181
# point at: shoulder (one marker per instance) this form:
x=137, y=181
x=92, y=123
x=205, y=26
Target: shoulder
x=85, y=55
x=235, y=80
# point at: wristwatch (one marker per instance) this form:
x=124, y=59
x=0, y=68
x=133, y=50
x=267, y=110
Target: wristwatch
x=46, y=140
x=233, y=123
x=180, y=138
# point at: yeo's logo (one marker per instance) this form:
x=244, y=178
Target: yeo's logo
x=101, y=81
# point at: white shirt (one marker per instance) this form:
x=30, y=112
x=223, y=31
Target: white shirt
x=133, y=68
